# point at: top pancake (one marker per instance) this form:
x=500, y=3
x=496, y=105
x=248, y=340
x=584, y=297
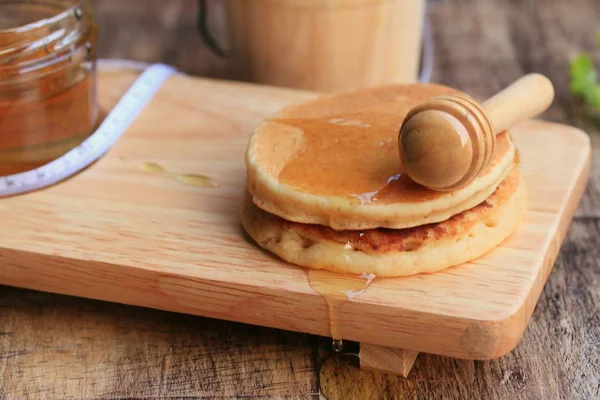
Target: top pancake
x=334, y=161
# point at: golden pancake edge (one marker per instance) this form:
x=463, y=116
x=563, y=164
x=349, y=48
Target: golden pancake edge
x=393, y=252
x=334, y=161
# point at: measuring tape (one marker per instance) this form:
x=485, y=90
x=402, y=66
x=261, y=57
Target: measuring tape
x=114, y=125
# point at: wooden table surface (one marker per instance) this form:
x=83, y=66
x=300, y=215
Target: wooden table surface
x=54, y=346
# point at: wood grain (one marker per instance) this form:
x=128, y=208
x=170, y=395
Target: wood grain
x=523, y=99
x=118, y=233
x=147, y=353
x=481, y=46
x=386, y=359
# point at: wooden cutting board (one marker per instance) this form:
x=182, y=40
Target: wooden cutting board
x=118, y=233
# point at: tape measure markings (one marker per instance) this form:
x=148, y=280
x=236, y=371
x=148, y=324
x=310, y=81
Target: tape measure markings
x=114, y=125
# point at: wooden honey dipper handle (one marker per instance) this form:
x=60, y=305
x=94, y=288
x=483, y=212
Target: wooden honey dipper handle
x=446, y=141
x=526, y=98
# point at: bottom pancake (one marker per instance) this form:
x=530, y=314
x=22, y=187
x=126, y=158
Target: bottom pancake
x=393, y=252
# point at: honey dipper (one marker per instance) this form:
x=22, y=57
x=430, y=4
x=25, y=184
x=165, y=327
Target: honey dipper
x=446, y=141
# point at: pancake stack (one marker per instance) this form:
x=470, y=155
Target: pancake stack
x=325, y=190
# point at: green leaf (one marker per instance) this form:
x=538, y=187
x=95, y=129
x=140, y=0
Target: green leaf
x=578, y=86
x=582, y=67
x=584, y=79
x=589, y=95
x=583, y=75
x=596, y=97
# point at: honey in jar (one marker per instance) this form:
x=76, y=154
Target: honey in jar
x=48, y=101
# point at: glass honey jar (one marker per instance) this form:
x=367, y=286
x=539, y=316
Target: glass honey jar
x=48, y=101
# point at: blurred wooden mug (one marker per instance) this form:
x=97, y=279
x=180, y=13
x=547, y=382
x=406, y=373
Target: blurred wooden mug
x=322, y=45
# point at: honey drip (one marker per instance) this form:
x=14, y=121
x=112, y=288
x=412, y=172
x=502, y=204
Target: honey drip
x=187, y=179
x=361, y=161
x=152, y=167
x=337, y=290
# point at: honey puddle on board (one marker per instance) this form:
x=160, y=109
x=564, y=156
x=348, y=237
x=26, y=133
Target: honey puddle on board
x=337, y=289
x=187, y=179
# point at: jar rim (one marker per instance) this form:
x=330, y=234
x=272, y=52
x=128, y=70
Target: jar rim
x=64, y=37
x=67, y=8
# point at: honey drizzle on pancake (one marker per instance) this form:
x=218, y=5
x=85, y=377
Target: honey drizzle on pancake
x=337, y=290
x=353, y=155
